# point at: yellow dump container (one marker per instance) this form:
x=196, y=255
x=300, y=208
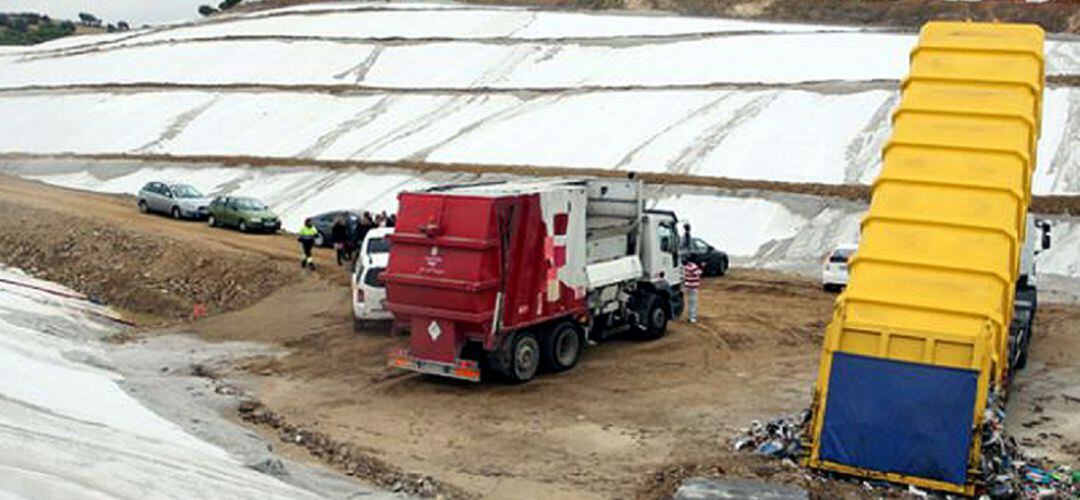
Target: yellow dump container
x=920, y=336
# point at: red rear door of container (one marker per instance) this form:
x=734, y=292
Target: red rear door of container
x=443, y=274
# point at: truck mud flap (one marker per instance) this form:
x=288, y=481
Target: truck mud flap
x=894, y=416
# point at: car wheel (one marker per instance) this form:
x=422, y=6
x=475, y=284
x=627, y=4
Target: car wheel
x=212, y=221
x=723, y=267
x=525, y=357
x=143, y=207
x=320, y=240
x=176, y=213
x=242, y=227
x=562, y=347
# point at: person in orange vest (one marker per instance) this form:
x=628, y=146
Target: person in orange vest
x=691, y=281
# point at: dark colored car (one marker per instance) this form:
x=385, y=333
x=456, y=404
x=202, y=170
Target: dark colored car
x=245, y=214
x=323, y=223
x=713, y=262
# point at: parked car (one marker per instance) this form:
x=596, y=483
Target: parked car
x=376, y=245
x=245, y=214
x=713, y=262
x=181, y=201
x=369, y=292
x=323, y=222
x=834, y=274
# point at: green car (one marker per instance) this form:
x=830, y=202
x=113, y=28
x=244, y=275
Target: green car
x=245, y=214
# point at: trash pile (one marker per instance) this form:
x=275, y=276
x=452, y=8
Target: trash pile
x=780, y=438
x=1008, y=473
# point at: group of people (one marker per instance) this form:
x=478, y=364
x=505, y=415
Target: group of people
x=345, y=237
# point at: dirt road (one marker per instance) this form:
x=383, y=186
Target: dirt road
x=629, y=422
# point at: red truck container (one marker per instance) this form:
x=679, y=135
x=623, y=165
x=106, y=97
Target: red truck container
x=513, y=276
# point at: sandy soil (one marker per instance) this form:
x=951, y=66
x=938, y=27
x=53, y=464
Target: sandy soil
x=629, y=422
x=597, y=431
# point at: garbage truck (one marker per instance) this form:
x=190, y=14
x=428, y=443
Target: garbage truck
x=512, y=277
x=924, y=338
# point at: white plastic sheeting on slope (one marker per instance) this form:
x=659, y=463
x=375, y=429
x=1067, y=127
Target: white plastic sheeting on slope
x=743, y=59
x=778, y=135
x=734, y=59
x=69, y=431
x=695, y=132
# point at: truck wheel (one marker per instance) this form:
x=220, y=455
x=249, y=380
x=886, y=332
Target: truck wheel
x=562, y=347
x=525, y=357
x=654, y=318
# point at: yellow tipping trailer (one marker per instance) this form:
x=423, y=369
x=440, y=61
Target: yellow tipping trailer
x=920, y=337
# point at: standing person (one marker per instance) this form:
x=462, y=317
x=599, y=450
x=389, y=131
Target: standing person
x=366, y=223
x=307, y=242
x=692, y=281
x=686, y=235
x=391, y=220
x=339, y=235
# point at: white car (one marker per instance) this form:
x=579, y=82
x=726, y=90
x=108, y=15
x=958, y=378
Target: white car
x=375, y=243
x=834, y=274
x=369, y=293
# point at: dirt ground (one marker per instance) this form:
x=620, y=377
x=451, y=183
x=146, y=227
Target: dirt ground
x=630, y=421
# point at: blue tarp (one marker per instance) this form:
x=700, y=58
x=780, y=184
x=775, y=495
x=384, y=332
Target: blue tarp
x=894, y=416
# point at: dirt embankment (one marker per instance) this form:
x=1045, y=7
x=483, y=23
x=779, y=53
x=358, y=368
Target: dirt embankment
x=152, y=276
x=154, y=268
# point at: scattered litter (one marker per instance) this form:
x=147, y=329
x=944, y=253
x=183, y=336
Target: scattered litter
x=780, y=438
x=1007, y=473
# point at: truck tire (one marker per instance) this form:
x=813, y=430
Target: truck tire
x=524, y=357
x=654, y=318
x=562, y=346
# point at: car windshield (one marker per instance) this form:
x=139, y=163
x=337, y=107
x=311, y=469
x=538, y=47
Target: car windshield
x=249, y=204
x=378, y=245
x=185, y=191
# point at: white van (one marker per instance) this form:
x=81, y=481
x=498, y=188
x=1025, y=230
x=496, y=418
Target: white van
x=369, y=293
x=834, y=274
